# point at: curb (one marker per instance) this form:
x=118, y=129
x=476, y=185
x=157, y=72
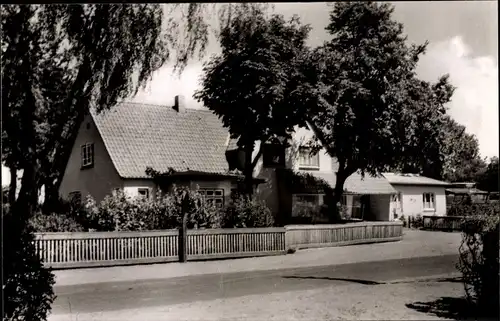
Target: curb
x=432, y=278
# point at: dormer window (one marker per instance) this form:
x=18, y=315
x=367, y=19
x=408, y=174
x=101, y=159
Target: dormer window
x=306, y=160
x=87, y=153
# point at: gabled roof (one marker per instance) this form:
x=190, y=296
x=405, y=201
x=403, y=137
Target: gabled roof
x=413, y=179
x=140, y=135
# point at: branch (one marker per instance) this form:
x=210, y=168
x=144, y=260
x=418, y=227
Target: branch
x=319, y=134
x=259, y=153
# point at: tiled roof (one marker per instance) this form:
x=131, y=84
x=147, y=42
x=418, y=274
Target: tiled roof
x=357, y=184
x=413, y=179
x=233, y=144
x=141, y=135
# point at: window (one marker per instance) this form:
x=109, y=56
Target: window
x=307, y=199
x=213, y=196
x=88, y=155
x=428, y=201
x=305, y=205
x=143, y=193
x=357, y=207
x=306, y=159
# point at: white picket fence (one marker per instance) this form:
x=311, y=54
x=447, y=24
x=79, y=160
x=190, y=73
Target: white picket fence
x=91, y=249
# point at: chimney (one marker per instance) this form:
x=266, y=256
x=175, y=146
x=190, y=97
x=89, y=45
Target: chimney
x=179, y=104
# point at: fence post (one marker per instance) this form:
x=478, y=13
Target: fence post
x=182, y=242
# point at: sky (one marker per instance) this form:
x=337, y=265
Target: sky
x=463, y=42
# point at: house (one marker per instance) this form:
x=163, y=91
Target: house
x=367, y=197
x=113, y=150
x=418, y=195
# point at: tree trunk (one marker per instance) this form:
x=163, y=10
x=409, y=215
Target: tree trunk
x=248, y=169
x=13, y=185
x=51, y=196
x=337, y=196
x=27, y=200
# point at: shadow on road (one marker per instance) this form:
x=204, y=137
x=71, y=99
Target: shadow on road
x=365, y=282
x=450, y=308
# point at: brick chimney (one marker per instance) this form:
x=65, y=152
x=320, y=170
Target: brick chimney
x=179, y=104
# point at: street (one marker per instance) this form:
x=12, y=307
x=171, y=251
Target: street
x=112, y=296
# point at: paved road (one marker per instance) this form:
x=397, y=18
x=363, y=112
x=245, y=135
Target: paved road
x=120, y=295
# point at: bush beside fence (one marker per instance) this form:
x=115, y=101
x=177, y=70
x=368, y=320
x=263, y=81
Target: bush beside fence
x=92, y=249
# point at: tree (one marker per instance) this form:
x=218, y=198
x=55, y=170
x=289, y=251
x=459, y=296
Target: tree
x=488, y=179
x=57, y=62
x=424, y=119
x=249, y=83
x=462, y=162
x=357, y=86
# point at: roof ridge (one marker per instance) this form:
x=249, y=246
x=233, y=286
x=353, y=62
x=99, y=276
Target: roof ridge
x=203, y=109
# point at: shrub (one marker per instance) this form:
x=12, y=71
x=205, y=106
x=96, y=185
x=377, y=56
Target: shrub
x=479, y=257
x=118, y=212
x=343, y=212
x=403, y=219
x=417, y=222
x=306, y=213
x=27, y=287
x=55, y=222
x=244, y=212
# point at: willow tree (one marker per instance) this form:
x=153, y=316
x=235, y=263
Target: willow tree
x=57, y=62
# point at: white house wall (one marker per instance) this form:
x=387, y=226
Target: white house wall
x=131, y=187
x=302, y=136
x=97, y=181
x=412, y=199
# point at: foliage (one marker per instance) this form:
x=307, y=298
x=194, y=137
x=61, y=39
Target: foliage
x=462, y=162
x=301, y=182
x=416, y=222
x=57, y=61
x=60, y=61
x=119, y=212
x=361, y=91
x=27, y=285
x=479, y=257
x=488, y=179
x=245, y=212
x=55, y=222
x=424, y=118
x=343, y=211
x=249, y=83
x=310, y=213
x=403, y=219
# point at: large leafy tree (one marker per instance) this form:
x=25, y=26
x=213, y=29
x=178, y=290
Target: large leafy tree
x=462, y=161
x=357, y=88
x=57, y=62
x=424, y=124
x=248, y=85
